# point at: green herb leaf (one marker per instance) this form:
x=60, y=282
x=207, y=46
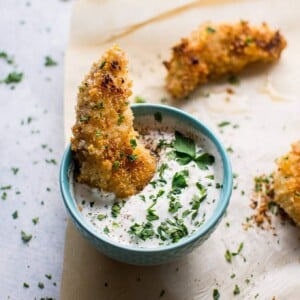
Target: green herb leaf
x=41, y=285
x=183, y=159
x=236, y=290
x=116, y=209
x=174, y=205
x=106, y=230
x=84, y=118
x=13, y=77
x=35, y=221
x=132, y=157
x=102, y=64
x=151, y=216
x=120, y=119
x=204, y=160
x=133, y=143
x=178, y=181
x=139, y=99
x=216, y=294
x=185, y=145
x=228, y=256
x=186, y=213
x=26, y=285
x=116, y=165
x=49, y=62
x=101, y=217
x=162, y=169
x=223, y=124
x=15, y=215
x=142, y=231
x=172, y=230
x=210, y=29
x=25, y=237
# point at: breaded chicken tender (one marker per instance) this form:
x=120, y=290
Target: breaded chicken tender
x=287, y=183
x=106, y=146
x=213, y=51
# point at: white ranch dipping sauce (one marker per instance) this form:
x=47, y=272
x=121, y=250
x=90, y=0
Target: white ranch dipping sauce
x=177, y=201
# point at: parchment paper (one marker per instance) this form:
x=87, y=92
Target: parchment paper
x=266, y=108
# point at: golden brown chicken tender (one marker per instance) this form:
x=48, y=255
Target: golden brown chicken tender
x=287, y=183
x=106, y=148
x=216, y=50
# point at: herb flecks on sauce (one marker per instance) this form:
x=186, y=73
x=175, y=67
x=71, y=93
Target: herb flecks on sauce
x=178, y=200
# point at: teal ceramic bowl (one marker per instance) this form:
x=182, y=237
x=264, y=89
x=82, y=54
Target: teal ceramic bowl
x=162, y=254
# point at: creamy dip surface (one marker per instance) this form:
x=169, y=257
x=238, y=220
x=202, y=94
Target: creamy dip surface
x=178, y=200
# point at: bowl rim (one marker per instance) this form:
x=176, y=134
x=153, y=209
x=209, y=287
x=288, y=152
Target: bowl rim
x=209, y=225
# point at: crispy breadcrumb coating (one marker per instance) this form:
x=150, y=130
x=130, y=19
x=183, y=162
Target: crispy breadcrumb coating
x=287, y=183
x=216, y=50
x=105, y=145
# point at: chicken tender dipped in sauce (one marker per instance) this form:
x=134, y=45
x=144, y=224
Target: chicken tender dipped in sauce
x=287, y=183
x=106, y=148
x=213, y=51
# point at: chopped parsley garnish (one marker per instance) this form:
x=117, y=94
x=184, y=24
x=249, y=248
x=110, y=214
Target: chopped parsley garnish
x=101, y=217
x=184, y=145
x=158, y=117
x=186, y=213
x=216, y=294
x=4, y=196
x=106, y=230
x=26, y=285
x=185, y=151
x=172, y=230
x=116, y=209
x=5, y=56
x=162, y=169
x=13, y=77
x=51, y=161
x=84, y=118
x=25, y=237
x=133, y=143
x=236, y=290
x=120, y=119
x=41, y=285
x=35, y=221
x=228, y=256
x=132, y=157
x=15, y=215
x=15, y=170
x=204, y=160
x=151, y=215
x=174, y=204
x=6, y=187
x=102, y=64
x=48, y=276
x=143, y=231
x=210, y=29
x=139, y=99
x=49, y=62
x=223, y=124
x=98, y=133
x=178, y=181
x=116, y=165
x=212, y=177
x=249, y=40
